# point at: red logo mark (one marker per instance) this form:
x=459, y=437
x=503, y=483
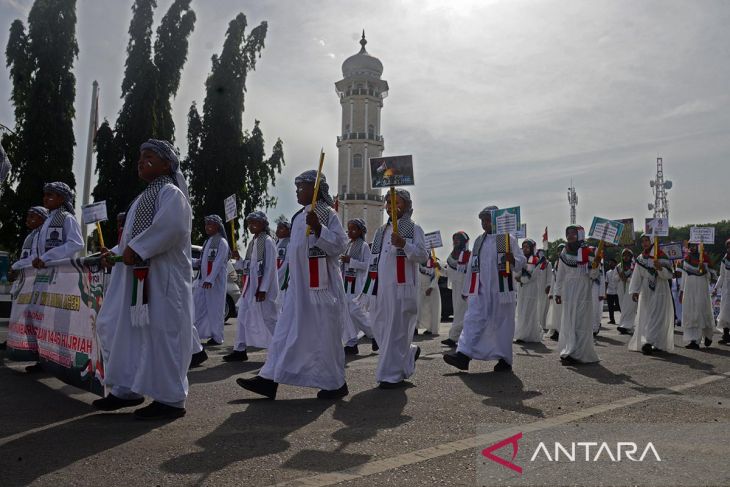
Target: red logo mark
x=512, y=440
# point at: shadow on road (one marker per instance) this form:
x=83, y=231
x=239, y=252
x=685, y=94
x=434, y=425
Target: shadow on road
x=364, y=415
x=32, y=456
x=204, y=375
x=248, y=434
x=503, y=390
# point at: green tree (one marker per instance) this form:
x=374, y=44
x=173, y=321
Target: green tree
x=149, y=84
x=43, y=93
x=223, y=159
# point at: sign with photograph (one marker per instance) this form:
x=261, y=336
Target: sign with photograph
x=673, y=250
x=391, y=171
x=657, y=227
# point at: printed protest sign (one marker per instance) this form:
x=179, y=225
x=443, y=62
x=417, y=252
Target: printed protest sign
x=506, y=220
x=230, y=206
x=703, y=235
x=433, y=240
x=608, y=231
x=94, y=212
x=392, y=171
x=657, y=227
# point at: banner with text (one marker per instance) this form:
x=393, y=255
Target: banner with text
x=53, y=320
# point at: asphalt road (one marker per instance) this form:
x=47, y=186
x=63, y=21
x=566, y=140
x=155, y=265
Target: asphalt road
x=430, y=433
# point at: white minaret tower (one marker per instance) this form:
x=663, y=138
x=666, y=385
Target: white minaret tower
x=361, y=93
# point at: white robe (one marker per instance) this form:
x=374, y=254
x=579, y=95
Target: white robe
x=27, y=255
x=429, y=307
x=655, y=319
x=358, y=319
x=676, y=289
x=456, y=283
x=72, y=244
x=282, y=269
x=395, y=308
x=552, y=321
x=722, y=287
x=598, y=291
x=257, y=320
x=489, y=322
x=153, y=360
x=544, y=278
x=698, y=321
x=527, y=316
x=575, y=285
x=626, y=302
x=306, y=349
x=210, y=304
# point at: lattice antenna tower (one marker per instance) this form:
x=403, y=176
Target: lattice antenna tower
x=659, y=188
x=573, y=202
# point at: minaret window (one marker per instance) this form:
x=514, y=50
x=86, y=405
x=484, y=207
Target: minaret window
x=371, y=131
x=357, y=160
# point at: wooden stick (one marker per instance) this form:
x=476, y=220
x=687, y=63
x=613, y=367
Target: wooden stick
x=316, y=185
x=101, y=237
x=393, y=211
x=507, y=247
x=656, y=248
x=433, y=257
x=702, y=253
x=233, y=235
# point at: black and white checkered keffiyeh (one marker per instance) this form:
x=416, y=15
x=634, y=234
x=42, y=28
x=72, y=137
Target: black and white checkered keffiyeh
x=63, y=189
x=259, y=242
x=359, y=223
x=41, y=211
x=147, y=205
x=165, y=150
x=324, y=188
x=218, y=221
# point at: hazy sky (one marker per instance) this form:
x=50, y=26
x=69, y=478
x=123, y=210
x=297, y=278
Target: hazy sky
x=500, y=102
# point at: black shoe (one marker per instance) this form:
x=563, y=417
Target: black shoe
x=418, y=353
x=236, y=356
x=725, y=340
x=502, y=366
x=112, y=403
x=3, y=346
x=693, y=345
x=212, y=343
x=708, y=342
x=611, y=322
x=157, y=410
x=198, y=358
x=518, y=341
x=374, y=345
x=428, y=332
x=449, y=343
x=458, y=360
x=647, y=349
x=35, y=368
x=555, y=336
x=259, y=385
x=415, y=332
x=623, y=331
x=351, y=350
x=391, y=385
x=568, y=360
x=595, y=333
x=333, y=394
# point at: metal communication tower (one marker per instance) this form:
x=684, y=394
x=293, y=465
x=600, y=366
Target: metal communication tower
x=572, y=201
x=659, y=188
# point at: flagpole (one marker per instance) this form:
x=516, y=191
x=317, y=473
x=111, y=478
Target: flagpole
x=89, y=154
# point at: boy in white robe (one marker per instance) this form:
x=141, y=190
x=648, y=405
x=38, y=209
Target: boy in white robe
x=579, y=267
x=698, y=321
x=650, y=288
x=621, y=278
x=612, y=292
x=60, y=235
x=391, y=290
x=545, y=278
x=531, y=285
x=283, y=234
x=489, y=322
x=354, y=270
x=306, y=349
x=455, y=270
x=149, y=302
x=257, y=307
x=676, y=290
x=429, y=297
x=209, y=289
x=723, y=287
x=552, y=321
x=34, y=219
x=598, y=292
